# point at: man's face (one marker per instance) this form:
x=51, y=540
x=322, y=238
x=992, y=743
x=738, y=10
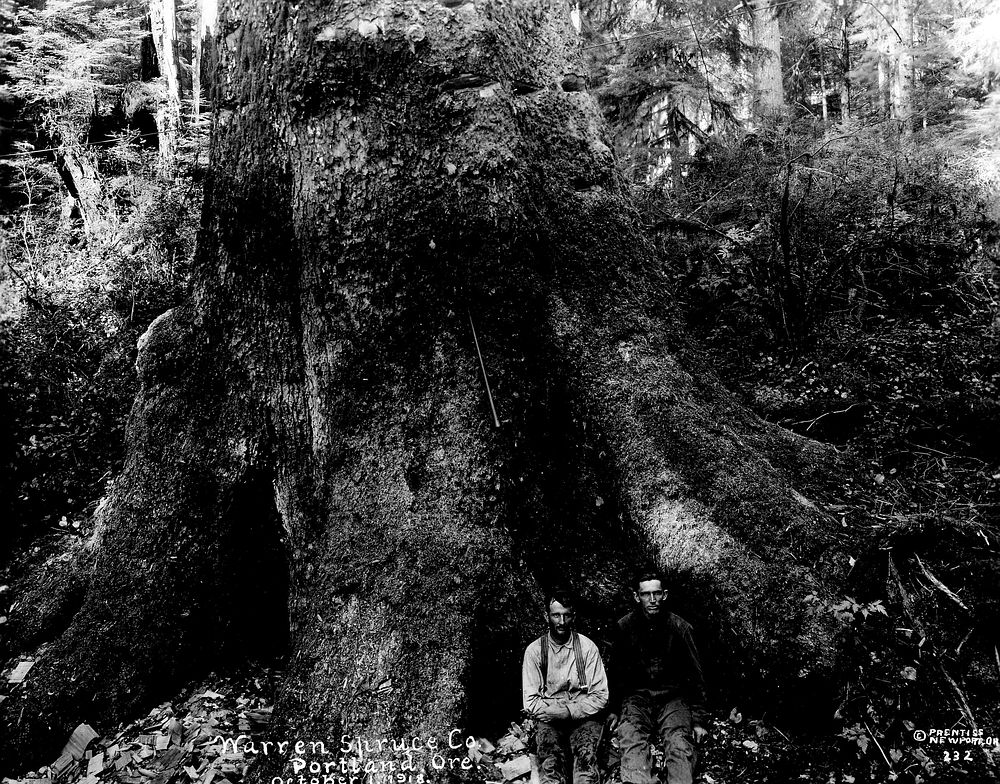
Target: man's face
x=650, y=597
x=560, y=620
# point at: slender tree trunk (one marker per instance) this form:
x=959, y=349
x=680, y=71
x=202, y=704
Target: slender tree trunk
x=768, y=81
x=845, y=81
x=317, y=413
x=822, y=82
x=883, y=98
x=903, y=76
x=149, y=68
x=163, y=23
x=197, y=35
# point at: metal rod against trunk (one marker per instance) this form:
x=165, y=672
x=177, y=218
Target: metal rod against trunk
x=482, y=365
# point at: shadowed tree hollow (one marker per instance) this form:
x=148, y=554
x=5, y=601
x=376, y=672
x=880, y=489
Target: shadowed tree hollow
x=312, y=454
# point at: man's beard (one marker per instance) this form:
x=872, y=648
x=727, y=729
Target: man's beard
x=556, y=635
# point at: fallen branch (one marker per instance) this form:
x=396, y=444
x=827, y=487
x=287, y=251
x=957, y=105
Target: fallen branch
x=828, y=413
x=959, y=696
x=965, y=639
x=879, y=746
x=692, y=225
x=963, y=704
x=940, y=585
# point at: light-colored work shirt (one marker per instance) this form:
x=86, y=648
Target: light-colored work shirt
x=562, y=689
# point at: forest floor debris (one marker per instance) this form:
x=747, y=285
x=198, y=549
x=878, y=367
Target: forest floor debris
x=737, y=751
x=177, y=742
x=183, y=741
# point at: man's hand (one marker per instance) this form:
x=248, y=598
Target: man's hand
x=700, y=733
x=613, y=721
x=553, y=710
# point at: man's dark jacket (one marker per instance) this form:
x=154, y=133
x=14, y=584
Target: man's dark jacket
x=657, y=654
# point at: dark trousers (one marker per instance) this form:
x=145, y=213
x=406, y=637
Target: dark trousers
x=645, y=716
x=562, y=739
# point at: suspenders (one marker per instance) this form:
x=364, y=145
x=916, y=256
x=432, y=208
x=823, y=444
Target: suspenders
x=543, y=642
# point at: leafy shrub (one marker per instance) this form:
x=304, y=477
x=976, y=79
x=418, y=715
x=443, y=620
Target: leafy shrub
x=779, y=239
x=72, y=314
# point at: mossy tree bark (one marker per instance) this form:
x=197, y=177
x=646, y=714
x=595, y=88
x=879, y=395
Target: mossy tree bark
x=311, y=449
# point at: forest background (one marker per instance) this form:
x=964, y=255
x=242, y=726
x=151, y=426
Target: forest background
x=822, y=182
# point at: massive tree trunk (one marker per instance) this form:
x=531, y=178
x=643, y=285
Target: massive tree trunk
x=312, y=454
